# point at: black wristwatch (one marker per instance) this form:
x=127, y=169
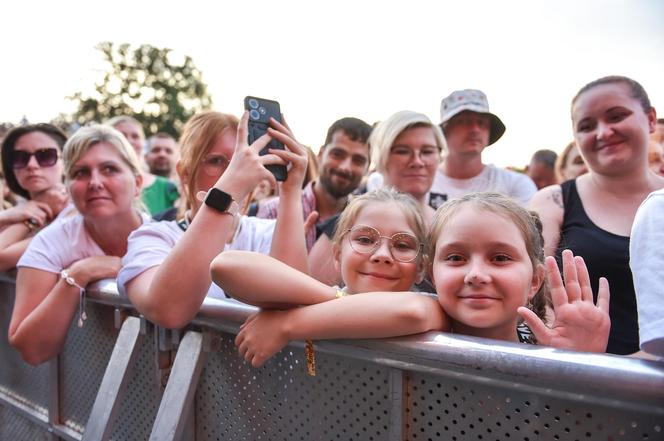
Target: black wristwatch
x=221, y=201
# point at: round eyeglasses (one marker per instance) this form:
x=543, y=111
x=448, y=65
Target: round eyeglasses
x=215, y=165
x=364, y=239
x=45, y=157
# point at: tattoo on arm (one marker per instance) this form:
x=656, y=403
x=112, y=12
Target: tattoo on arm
x=557, y=198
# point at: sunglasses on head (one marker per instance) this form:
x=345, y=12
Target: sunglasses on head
x=45, y=157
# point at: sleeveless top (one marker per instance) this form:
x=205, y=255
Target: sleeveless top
x=606, y=255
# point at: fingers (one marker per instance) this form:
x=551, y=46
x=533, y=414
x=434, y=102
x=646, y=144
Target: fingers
x=260, y=143
x=282, y=126
x=540, y=330
x=256, y=361
x=558, y=294
x=43, y=206
x=571, y=279
x=310, y=221
x=289, y=157
x=603, y=295
x=584, y=279
x=287, y=140
x=242, y=130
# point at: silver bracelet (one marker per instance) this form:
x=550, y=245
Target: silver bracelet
x=69, y=280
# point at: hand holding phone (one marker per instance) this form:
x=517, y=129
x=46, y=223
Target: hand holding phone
x=260, y=111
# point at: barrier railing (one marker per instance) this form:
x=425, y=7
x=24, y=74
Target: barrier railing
x=121, y=378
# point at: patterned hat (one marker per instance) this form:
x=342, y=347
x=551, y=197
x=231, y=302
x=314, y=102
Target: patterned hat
x=474, y=101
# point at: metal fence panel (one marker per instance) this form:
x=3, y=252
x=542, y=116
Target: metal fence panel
x=446, y=408
x=18, y=380
x=346, y=400
x=143, y=394
x=83, y=363
x=15, y=427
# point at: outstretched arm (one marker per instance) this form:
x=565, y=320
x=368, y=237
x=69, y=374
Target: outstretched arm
x=579, y=324
x=371, y=315
x=266, y=282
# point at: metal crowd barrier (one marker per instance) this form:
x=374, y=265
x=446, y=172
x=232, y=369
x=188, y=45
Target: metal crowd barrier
x=121, y=378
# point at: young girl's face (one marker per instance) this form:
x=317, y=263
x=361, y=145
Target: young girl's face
x=380, y=269
x=483, y=273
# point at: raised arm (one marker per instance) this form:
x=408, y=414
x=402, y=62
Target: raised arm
x=45, y=305
x=171, y=293
x=288, y=241
x=548, y=203
x=579, y=324
x=266, y=282
x=370, y=315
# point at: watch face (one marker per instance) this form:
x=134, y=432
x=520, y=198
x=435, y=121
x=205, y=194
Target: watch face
x=218, y=200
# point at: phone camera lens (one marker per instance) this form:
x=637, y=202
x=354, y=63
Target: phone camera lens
x=253, y=103
x=261, y=110
x=253, y=114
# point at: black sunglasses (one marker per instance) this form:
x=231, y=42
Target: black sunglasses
x=45, y=157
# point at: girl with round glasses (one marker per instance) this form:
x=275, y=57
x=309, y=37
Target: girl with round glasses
x=31, y=162
x=379, y=246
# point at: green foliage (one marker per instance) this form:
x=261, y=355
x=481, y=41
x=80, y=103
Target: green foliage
x=148, y=83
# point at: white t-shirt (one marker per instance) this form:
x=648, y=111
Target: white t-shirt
x=150, y=245
x=515, y=185
x=647, y=264
x=61, y=244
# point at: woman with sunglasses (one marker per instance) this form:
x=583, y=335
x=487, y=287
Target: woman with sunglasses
x=166, y=271
x=104, y=179
x=33, y=170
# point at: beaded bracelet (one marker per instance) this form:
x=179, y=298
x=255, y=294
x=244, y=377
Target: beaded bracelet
x=82, y=316
x=309, y=352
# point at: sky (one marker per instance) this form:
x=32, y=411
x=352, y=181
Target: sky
x=368, y=59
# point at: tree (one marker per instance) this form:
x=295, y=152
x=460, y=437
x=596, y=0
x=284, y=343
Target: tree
x=147, y=83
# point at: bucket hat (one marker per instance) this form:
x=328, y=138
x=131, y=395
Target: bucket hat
x=475, y=101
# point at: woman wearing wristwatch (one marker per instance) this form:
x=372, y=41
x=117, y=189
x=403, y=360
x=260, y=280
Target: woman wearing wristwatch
x=166, y=271
x=104, y=180
x=33, y=169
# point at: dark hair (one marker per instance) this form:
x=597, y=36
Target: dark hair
x=636, y=89
x=546, y=157
x=354, y=128
x=9, y=143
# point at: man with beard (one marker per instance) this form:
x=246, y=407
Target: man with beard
x=162, y=154
x=469, y=128
x=342, y=162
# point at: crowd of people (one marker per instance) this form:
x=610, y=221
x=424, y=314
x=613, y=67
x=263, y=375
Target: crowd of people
x=389, y=230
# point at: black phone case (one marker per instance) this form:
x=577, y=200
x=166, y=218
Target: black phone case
x=260, y=110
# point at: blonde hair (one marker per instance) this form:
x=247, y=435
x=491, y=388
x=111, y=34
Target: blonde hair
x=87, y=137
x=113, y=122
x=561, y=161
x=527, y=222
x=198, y=136
x=386, y=132
x=408, y=206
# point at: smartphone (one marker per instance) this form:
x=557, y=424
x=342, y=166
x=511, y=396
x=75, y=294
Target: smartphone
x=260, y=111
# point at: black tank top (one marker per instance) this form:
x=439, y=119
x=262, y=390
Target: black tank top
x=606, y=255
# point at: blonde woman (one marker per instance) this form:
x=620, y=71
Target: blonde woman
x=103, y=178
